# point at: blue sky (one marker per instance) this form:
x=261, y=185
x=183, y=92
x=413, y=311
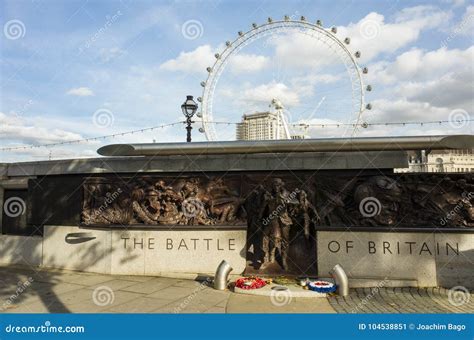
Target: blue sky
x=78, y=69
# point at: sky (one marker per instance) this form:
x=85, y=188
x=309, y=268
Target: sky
x=72, y=70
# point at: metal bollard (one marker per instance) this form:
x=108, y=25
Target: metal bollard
x=342, y=282
x=222, y=275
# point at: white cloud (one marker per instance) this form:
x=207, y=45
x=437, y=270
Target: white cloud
x=14, y=128
x=440, y=79
x=454, y=90
x=307, y=85
x=417, y=64
x=466, y=26
x=264, y=93
x=80, y=92
x=300, y=51
x=372, y=35
x=191, y=62
x=455, y=3
x=244, y=63
x=401, y=110
x=198, y=60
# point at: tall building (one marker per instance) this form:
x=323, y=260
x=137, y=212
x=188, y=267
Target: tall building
x=441, y=161
x=260, y=126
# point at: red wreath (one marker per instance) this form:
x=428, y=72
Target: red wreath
x=250, y=282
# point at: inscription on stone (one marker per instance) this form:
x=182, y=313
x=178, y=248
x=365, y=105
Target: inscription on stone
x=394, y=247
x=206, y=244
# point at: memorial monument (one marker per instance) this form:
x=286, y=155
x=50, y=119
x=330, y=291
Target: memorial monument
x=280, y=207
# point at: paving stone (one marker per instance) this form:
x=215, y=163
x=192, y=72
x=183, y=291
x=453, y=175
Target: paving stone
x=135, y=278
x=216, y=310
x=150, y=286
x=66, y=291
x=172, y=293
x=114, y=284
x=139, y=305
x=190, y=284
x=399, y=300
x=91, y=280
x=241, y=303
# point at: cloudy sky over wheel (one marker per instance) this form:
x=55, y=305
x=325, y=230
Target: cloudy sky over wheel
x=78, y=69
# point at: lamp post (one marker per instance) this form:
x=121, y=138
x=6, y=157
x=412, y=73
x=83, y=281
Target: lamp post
x=189, y=108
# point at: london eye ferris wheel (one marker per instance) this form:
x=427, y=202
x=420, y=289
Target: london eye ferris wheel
x=330, y=89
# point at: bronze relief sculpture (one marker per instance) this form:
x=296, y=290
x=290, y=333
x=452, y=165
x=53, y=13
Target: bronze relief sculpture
x=151, y=201
x=282, y=213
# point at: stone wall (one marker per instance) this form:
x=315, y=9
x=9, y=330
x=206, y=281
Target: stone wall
x=432, y=259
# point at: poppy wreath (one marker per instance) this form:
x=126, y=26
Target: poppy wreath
x=322, y=286
x=251, y=282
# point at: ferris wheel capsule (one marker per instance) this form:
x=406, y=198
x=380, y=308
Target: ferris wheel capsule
x=199, y=114
x=203, y=83
x=369, y=88
x=347, y=41
x=287, y=18
x=365, y=70
x=217, y=55
x=368, y=106
x=240, y=33
x=365, y=125
x=334, y=30
x=319, y=22
x=303, y=18
x=209, y=69
x=201, y=130
x=227, y=43
x=200, y=99
x=270, y=20
x=357, y=54
x=254, y=25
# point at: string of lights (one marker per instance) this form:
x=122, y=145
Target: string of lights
x=85, y=140
x=363, y=125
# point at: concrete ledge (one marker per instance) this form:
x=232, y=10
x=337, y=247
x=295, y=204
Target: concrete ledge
x=21, y=250
x=169, y=253
x=239, y=162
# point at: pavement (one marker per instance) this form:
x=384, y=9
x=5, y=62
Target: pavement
x=26, y=290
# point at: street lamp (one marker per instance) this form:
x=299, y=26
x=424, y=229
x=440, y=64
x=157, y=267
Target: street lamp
x=189, y=108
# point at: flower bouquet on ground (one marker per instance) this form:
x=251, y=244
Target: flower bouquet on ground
x=251, y=282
